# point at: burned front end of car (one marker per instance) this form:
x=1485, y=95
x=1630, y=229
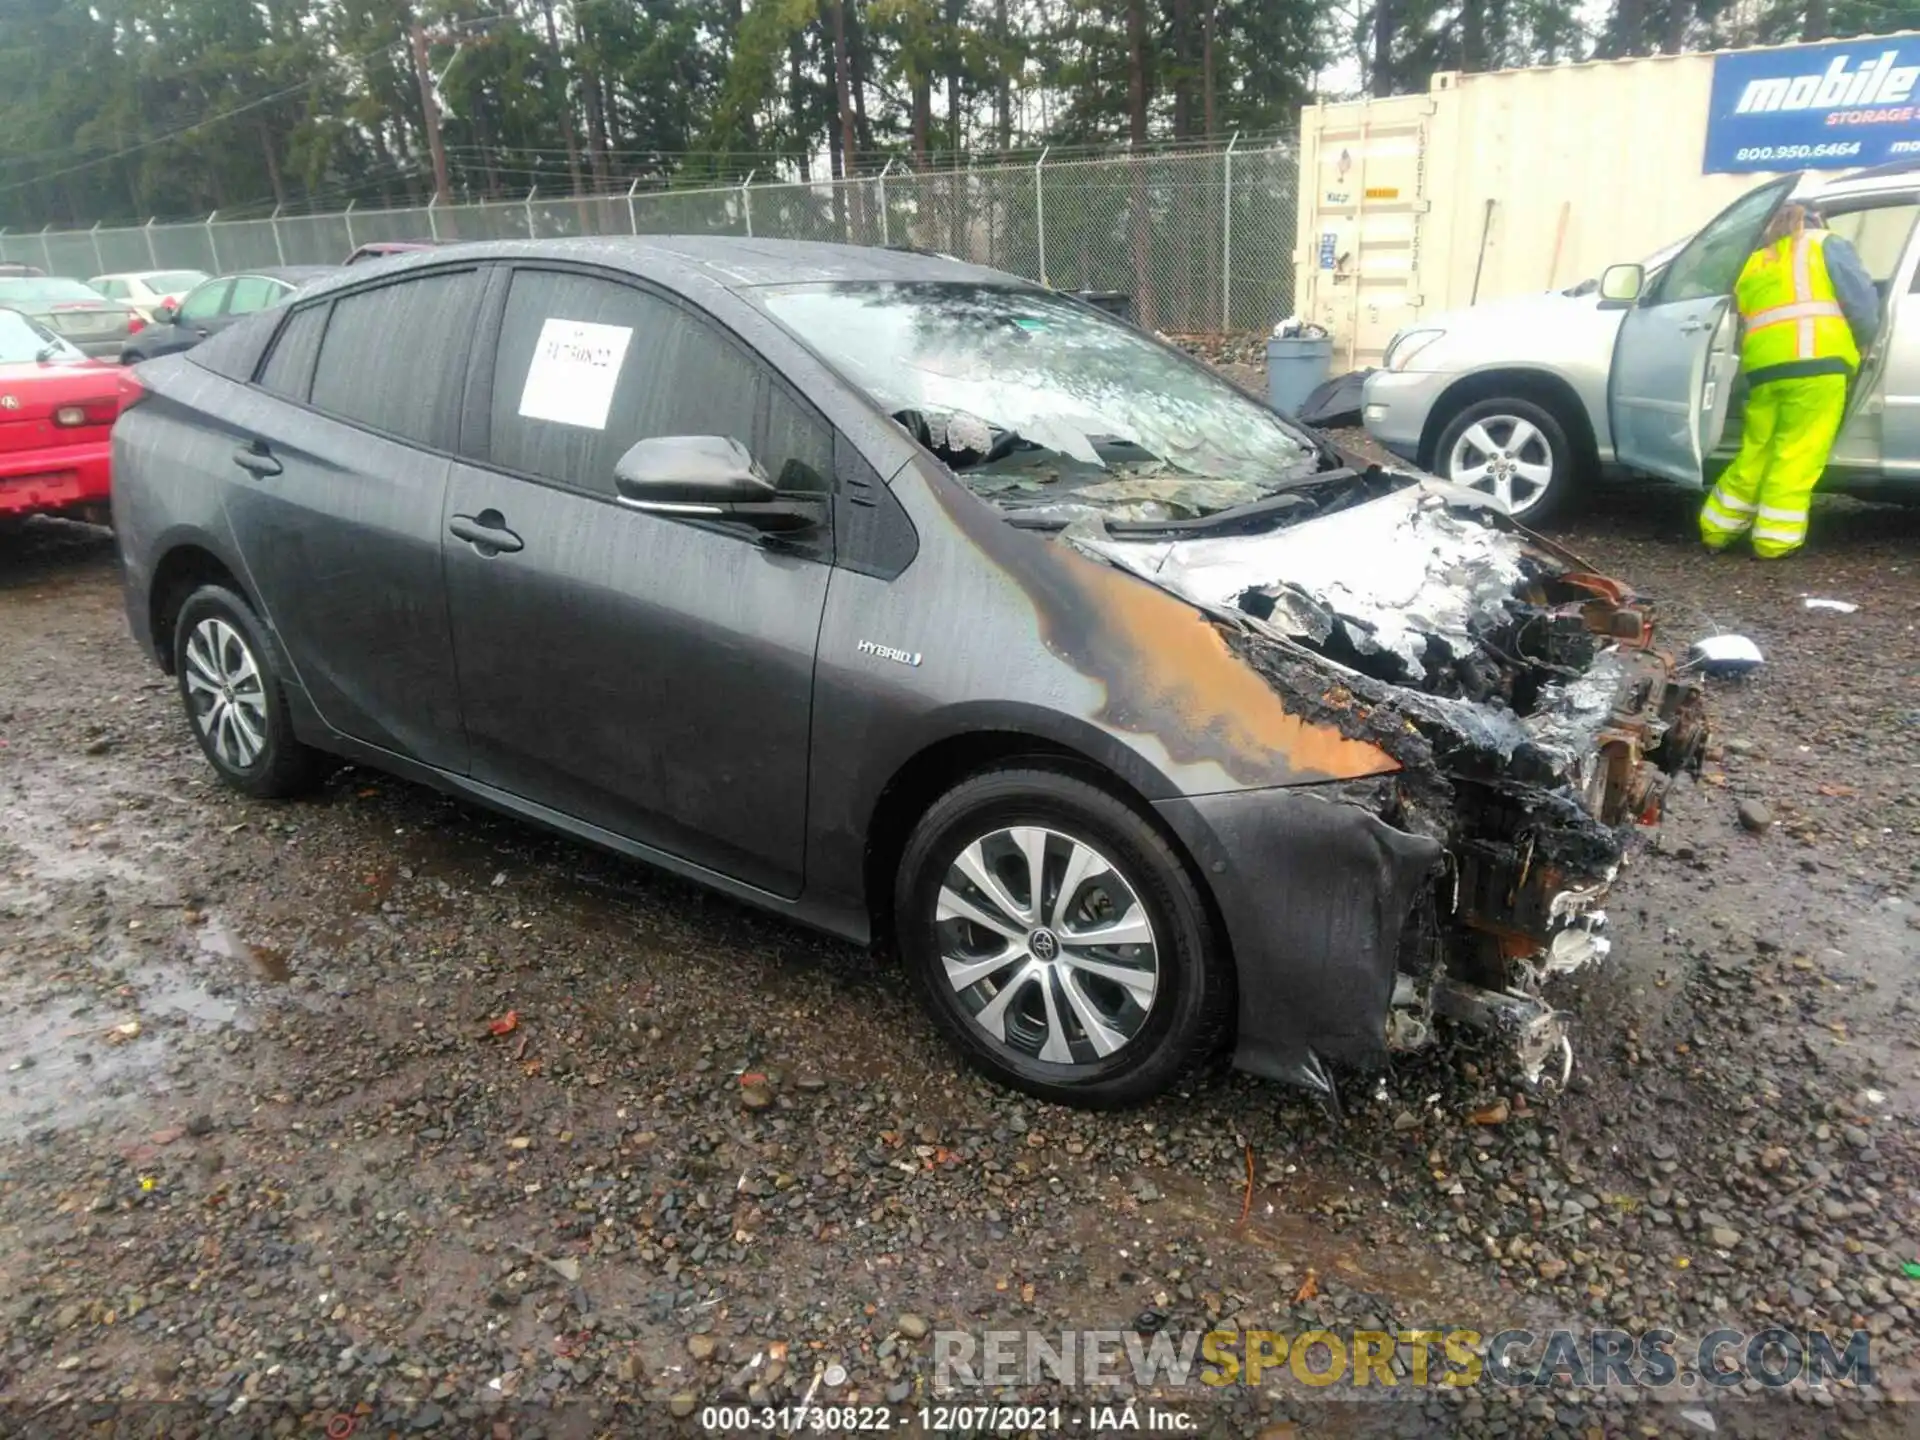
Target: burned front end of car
x=1534, y=725
x=1401, y=741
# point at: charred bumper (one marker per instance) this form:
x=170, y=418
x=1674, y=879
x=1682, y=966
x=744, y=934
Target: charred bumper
x=1533, y=724
x=1362, y=912
x=1314, y=889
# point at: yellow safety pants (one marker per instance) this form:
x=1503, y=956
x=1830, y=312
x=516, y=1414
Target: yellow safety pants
x=1790, y=428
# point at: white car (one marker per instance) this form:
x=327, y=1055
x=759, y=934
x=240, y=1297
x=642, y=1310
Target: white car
x=148, y=291
x=1529, y=398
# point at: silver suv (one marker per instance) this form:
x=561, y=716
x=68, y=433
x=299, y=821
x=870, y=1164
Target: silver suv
x=1528, y=398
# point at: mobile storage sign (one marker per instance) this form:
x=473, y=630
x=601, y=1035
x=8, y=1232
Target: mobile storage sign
x=1815, y=107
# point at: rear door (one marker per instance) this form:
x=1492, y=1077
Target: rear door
x=1678, y=350
x=339, y=482
x=649, y=675
x=1899, y=381
x=1880, y=229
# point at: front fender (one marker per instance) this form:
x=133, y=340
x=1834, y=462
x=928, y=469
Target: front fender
x=1315, y=891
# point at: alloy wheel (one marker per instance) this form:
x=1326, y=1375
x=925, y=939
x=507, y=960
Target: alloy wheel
x=225, y=693
x=1047, y=945
x=1506, y=456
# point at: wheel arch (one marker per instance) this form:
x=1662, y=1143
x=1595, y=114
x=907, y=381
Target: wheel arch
x=937, y=767
x=184, y=568
x=1542, y=387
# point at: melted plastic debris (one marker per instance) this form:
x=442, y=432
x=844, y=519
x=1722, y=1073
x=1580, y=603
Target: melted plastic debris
x=1571, y=710
x=960, y=432
x=1394, y=576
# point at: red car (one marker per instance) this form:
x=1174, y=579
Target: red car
x=57, y=409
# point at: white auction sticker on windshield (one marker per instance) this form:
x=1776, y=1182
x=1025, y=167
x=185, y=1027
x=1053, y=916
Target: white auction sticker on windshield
x=575, y=368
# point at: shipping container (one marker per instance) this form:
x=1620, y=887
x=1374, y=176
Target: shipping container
x=1522, y=180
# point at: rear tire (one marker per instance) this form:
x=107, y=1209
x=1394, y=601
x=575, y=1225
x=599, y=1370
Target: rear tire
x=1029, y=992
x=234, y=701
x=1516, y=450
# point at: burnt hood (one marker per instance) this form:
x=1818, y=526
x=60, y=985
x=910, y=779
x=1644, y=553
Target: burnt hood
x=1431, y=622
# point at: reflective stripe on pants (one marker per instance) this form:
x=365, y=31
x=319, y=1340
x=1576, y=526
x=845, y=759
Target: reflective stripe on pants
x=1724, y=516
x=1789, y=429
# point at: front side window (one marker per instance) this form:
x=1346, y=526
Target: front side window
x=1713, y=259
x=393, y=358
x=1039, y=402
x=206, y=302
x=587, y=367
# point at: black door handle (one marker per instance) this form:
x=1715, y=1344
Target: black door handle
x=257, y=459
x=487, y=532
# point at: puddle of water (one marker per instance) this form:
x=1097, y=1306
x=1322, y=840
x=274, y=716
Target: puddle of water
x=218, y=940
x=168, y=990
x=62, y=1070
x=59, y=1069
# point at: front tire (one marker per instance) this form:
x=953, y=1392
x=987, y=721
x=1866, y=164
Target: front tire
x=1059, y=941
x=1515, y=450
x=235, y=704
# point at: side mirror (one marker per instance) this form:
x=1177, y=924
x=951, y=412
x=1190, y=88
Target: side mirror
x=1620, y=286
x=167, y=314
x=707, y=477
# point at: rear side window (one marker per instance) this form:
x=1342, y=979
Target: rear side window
x=588, y=366
x=253, y=292
x=1878, y=235
x=394, y=358
x=289, y=369
x=206, y=302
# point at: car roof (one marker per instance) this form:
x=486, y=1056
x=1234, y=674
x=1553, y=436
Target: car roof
x=293, y=274
x=729, y=262
x=1883, y=180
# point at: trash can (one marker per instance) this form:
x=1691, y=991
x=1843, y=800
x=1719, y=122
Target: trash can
x=1296, y=366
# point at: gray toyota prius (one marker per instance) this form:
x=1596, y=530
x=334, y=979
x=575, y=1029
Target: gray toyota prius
x=925, y=606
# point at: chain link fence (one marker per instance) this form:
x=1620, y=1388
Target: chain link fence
x=1201, y=240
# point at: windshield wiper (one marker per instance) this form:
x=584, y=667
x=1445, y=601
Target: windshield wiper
x=50, y=351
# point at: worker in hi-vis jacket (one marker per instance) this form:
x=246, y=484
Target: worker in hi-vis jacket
x=1809, y=311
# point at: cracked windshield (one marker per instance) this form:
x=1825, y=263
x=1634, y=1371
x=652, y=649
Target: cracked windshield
x=1046, y=408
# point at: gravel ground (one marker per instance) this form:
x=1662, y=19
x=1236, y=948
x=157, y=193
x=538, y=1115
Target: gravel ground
x=262, y=1155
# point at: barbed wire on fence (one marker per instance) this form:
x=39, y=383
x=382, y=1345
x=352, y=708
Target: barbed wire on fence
x=1202, y=240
